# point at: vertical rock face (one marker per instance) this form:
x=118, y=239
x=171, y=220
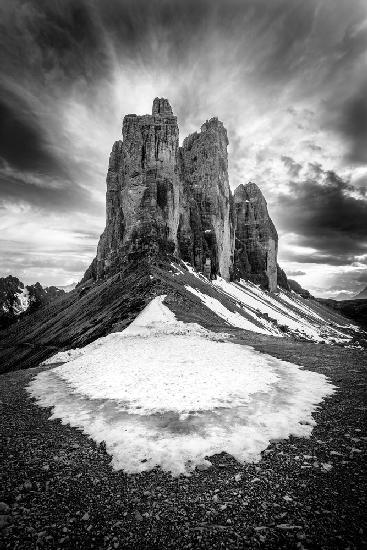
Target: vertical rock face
x=204, y=170
x=142, y=201
x=256, y=239
x=162, y=199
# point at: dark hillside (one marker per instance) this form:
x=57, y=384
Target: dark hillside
x=353, y=309
x=76, y=319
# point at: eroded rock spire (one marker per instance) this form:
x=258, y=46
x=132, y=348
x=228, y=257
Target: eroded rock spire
x=168, y=201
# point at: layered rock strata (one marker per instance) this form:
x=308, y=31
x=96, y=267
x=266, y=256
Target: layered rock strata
x=163, y=199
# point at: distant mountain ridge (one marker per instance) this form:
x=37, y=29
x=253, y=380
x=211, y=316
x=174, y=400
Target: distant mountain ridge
x=361, y=295
x=17, y=298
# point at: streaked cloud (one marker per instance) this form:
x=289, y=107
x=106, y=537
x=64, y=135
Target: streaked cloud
x=287, y=77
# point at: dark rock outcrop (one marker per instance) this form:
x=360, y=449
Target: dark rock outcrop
x=166, y=201
x=10, y=290
x=282, y=278
x=296, y=287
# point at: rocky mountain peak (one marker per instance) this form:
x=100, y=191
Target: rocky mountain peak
x=252, y=189
x=16, y=298
x=161, y=107
x=171, y=201
x=256, y=245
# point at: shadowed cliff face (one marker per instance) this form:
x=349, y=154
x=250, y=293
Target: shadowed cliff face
x=142, y=190
x=165, y=200
x=256, y=239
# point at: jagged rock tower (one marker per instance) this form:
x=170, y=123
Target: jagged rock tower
x=256, y=245
x=142, y=200
x=169, y=201
x=204, y=170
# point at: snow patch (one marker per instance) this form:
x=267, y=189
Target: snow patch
x=165, y=393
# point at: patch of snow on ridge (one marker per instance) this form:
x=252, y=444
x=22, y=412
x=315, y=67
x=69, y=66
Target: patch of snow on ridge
x=251, y=296
x=155, y=319
x=295, y=303
x=284, y=309
x=196, y=274
x=233, y=318
x=162, y=395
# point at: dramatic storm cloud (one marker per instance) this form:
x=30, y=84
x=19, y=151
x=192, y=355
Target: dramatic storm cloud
x=287, y=77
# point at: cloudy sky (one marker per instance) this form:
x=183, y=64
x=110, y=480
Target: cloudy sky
x=287, y=77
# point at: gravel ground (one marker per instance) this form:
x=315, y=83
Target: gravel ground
x=59, y=491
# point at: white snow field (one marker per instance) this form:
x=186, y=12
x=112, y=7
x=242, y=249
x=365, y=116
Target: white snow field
x=170, y=394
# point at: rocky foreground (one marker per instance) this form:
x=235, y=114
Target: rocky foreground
x=58, y=489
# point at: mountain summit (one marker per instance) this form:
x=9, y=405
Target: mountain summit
x=165, y=200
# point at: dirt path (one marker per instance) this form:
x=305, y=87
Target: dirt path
x=59, y=491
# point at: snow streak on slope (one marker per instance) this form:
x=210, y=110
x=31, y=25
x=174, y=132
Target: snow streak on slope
x=165, y=393
x=233, y=318
x=273, y=314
